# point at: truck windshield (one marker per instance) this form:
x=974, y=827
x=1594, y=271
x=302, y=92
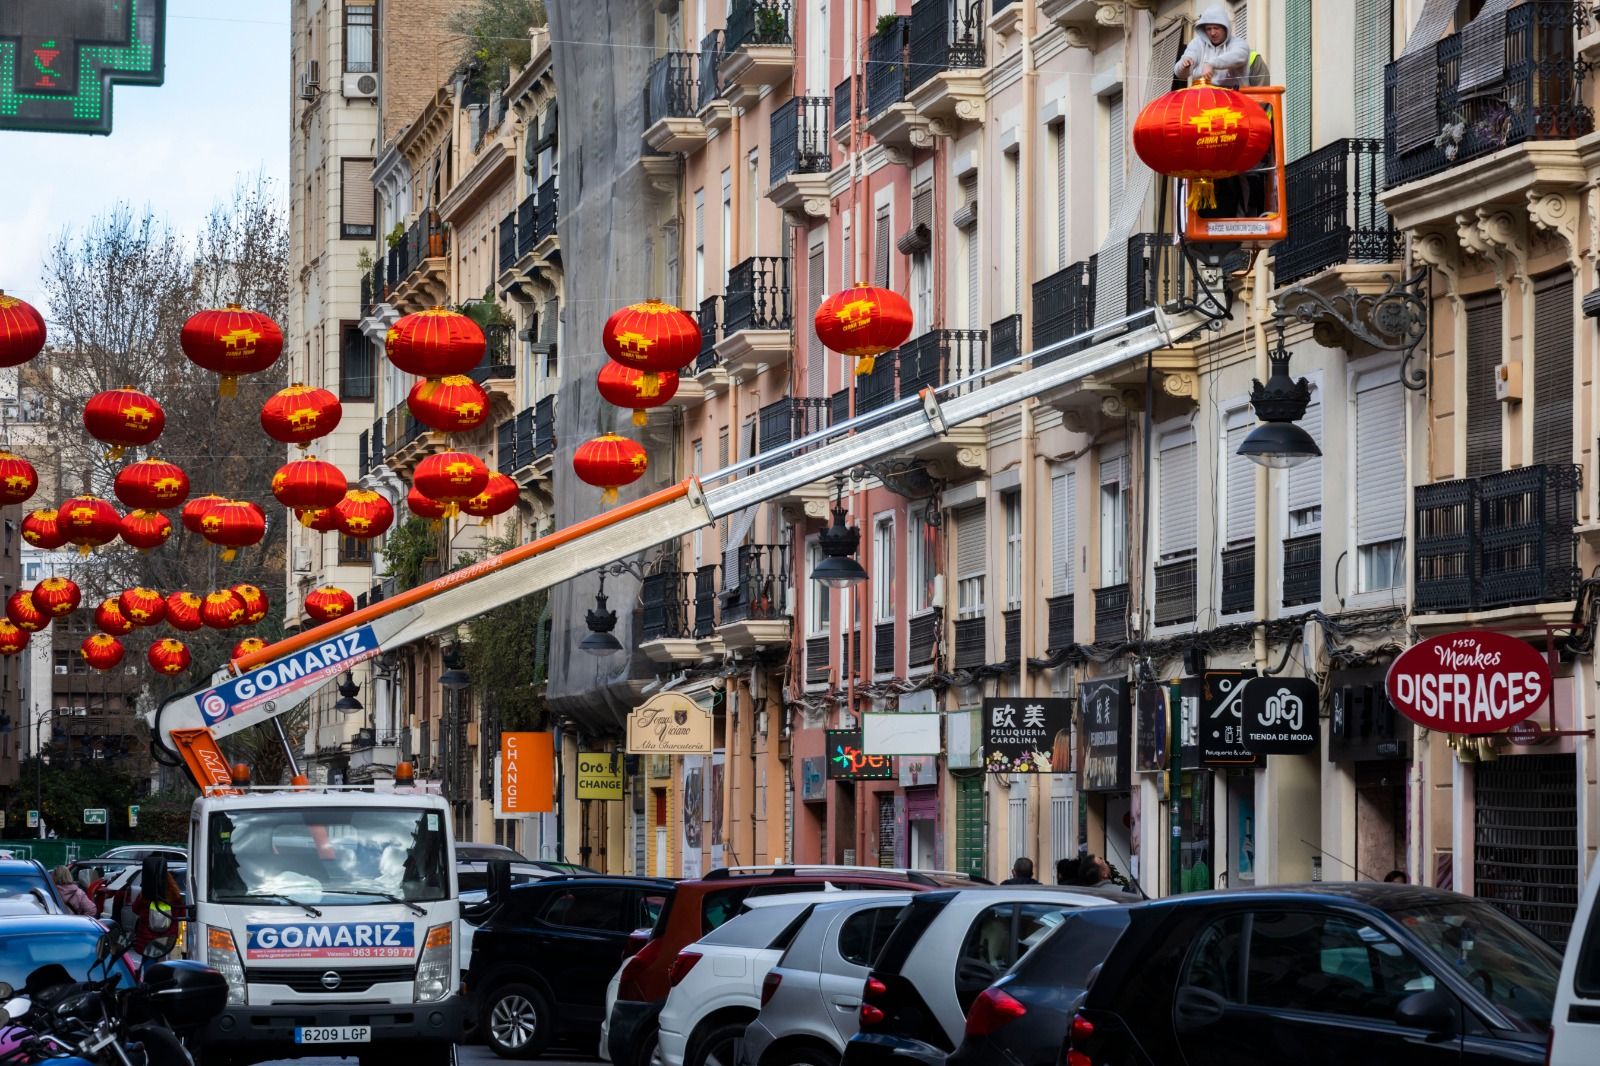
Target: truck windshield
x=327, y=856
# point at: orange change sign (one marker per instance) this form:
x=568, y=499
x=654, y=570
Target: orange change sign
x=527, y=773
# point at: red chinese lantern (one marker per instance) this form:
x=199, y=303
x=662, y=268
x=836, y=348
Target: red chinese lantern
x=652, y=337
x=300, y=414
x=168, y=656
x=43, y=530
x=21, y=331
x=57, y=596
x=142, y=606
x=328, y=602
x=608, y=462
x=123, y=418
x=233, y=524
x=454, y=404
x=195, y=511
x=623, y=386
x=498, y=497
x=1202, y=133
x=450, y=478
x=23, y=613
x=102, y=651
x=145, y=529
x=308, y=484
x=18, y=480
x=90, y=522
x=363, y=514
x=12, y=639
x=863, y=322
x=231, y=341
x=108, y=618
x=183, y=611
x=247, y=646
x=222, y=609
x=319, y=519
x=423, y=507
x=435, y=343
x=151, y=485
x=255, y=603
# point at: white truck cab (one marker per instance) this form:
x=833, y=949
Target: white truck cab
x=1575, y=1019
x=334, y=915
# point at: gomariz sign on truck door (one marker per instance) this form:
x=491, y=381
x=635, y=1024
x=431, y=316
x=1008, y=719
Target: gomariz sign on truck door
x=329, y=940
x=1470, y=682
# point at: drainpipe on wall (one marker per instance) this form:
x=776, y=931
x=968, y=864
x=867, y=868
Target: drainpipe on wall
x=1025, y=159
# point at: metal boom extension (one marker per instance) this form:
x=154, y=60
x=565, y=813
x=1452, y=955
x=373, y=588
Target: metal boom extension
x=280, y=677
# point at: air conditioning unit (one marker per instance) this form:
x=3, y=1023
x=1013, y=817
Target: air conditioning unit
x=302, y=560
x=60, y=669
x=311, y=80
x=360, y=86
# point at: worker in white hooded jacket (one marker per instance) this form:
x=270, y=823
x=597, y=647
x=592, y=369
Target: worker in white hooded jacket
x=1215, y=53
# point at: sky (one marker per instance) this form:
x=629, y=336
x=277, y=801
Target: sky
x=222, y=116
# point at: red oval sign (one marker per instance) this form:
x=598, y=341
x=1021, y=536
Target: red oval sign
x=1470, y=682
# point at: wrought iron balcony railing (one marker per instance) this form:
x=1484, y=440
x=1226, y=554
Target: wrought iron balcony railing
x=800, y=138
x=1501, y=540
x=544, y=427
x=972, y=638
x=376, y=442
x=1111, y=613
x=549, y=210
x=1158, y=273
x=1302, y=570
x=757, y=22
x=524, y=440
x=426, y=238
x=664, y=604
x=757, y=296
x=1013, y=635
x=924, y=639
x=935, y=358
x=1062, y=623
x=883, y=635
x=817, y=652
x=705, y=601
x=1175, y=593
x=505, y=446
x=670, y=91
x=1445, y=108
x=363, y=455
x=1334, y=213
x=791, y=418
x=1239, y=579
x=1063, y=306
x=527, y=218
x=944, y=35
x=496, y=362
x=760, y=585
x=886, y=66
x=1005, y=339
x=711, y=54
x=841, y=103
x=710, y=333
x=508, y=241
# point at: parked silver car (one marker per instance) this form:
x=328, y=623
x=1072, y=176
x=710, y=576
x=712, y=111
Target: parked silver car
x=811, y=998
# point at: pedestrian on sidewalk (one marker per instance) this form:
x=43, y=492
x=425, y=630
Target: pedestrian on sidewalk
x=1021, y=873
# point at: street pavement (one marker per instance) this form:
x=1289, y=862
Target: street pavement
x=466, y=1055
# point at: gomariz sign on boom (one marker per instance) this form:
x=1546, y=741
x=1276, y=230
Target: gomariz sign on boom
x=1469, y=682
x=285, y=675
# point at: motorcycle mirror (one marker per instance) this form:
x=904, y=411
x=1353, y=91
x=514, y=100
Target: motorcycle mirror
x=153, y=878
x=17, y=1009
x=499, y=880
x=159, y=948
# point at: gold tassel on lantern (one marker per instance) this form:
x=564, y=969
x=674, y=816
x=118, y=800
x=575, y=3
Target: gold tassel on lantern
x=228, y=386
x=113, y=453
x=230, y=554
x=84, y=550
x=640, y=417
x=1202, y=194
x=608, y=495
x=649, y=385
x=865, y=364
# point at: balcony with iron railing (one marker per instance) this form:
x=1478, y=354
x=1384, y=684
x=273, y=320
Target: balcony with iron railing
x=708, y=364
x=527, y=216
x=715, y=110
x=946, y=61
x=890, y=118
x=801, y=157
x=505, y=447
x=508, y=242
x=1159, y=275
x=1062, y=623
x=1005, y=339
x=544, y=428
x=666, y=630
x=706, y=595
x=376, y=442
x=933, y=360
x=758, y=49
x=497, y=362
x=406, y=442
x=1063, y=307
x=544, y=223
x=363, y=454
x=1334, y=213
x=418, y=265
x=971, y=642
x=1175, y=592
x=1239, y=579
x=1012, y=652
x=1489, y=116
x=1501, y=540
x=756, y=315
x=883, y=643
x=1111, y=614
x=841, y=107
x=818, y=651
x=922, y=644
x=373, y=291
x=1302, y=570
x=755, y=608
x=672, y=104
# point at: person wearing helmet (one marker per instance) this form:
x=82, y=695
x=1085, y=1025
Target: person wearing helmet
x=1216, y=53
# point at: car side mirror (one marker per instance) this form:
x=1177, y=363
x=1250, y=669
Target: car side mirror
x=1435, y=1012
x=153, y=878
x=499, y=880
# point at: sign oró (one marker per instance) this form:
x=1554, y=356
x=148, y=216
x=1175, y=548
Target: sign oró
x=1470, y=682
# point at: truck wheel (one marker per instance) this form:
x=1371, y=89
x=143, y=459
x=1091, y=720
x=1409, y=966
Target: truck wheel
x=515, y=1022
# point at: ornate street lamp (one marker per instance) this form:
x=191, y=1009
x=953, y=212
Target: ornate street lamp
x=839, y=543
x=1278, y=442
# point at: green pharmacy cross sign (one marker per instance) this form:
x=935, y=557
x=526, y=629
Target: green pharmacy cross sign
x=60, y=58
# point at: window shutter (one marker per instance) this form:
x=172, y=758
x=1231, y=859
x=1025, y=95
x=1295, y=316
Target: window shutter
x=700, y=218
x=1115, y=149
x=1114, y=464
x=357, y=199
x=1380, y=460
x=972, y=278
x=816, y=358
x=1177, y=502
x=1375, y=39
x=1483, y=410
x=1017, y=278
x=848, y=274
x=1241, y=20
x=922, y=208
x=971, y=543
x=1305, y=480
x=1061, y=196
x=1552, y=368
x=1241, y=489
x=880, y=249
x=1297, y=80
x=1063, y=544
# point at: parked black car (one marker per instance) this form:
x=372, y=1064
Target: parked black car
x=1307, y=974
x=542, y=959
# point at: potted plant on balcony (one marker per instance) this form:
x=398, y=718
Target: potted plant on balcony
x=887, y=24
x=396, y=235
x=771, y=26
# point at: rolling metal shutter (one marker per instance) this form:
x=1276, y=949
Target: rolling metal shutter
x=1063, y=541
x=1380, y=459
x=1525, y=837
x=971, y=543
x=1241, y=473
x=1483, y=410
x=1305, y=480
x=1552, y=368
x=816, y=355
x=880, y=249
x=1178, y=496
x=1297, y=77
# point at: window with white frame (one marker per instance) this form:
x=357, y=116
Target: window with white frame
x=1305, y=480
x=1380, y=484
x=727, y=225
x=922, y=561
x=1011, y=507
x=1058, y=145
x=1063, y=522
x=1114, y=515
x=699, y=246
x=971, y=561
x=819, y=602
x=883, y=570
x=698, y=461
x=921, y=262
x=752, y=177
x=1239, y=482
x=1014, y=173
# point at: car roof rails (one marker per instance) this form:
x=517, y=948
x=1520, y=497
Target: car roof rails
x=920, y=877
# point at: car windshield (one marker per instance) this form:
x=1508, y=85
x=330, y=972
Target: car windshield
x=14, y=885
x=23, y=953
x=327, y=856
x=1515, y=970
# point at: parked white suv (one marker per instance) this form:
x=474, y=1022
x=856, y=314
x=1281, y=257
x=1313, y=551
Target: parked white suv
x=1575, y=1021
x=716, y=981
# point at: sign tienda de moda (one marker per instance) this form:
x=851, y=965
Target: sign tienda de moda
x=1477, y=681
